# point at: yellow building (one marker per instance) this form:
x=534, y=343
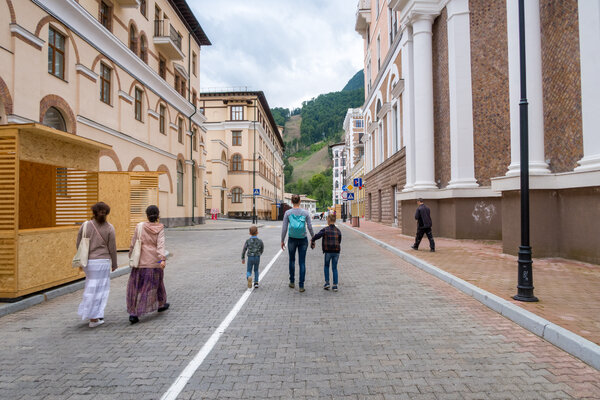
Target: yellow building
x=121, y=72
x=245, y=152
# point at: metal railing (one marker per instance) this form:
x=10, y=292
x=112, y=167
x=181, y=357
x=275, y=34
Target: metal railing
x=162, y=28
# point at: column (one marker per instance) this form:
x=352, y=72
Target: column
x=589, y=56
x=423, y=95
x=462, y=160
x=408, y=113
x=533, y=48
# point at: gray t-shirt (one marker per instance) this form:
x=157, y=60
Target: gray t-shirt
x=295, y=211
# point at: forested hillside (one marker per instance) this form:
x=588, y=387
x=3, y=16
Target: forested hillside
x=307, y=157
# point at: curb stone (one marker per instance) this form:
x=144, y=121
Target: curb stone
x=50, y=294
x=562, y=338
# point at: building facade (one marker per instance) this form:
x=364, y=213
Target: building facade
x=338, y=152
x=305, y=202
x=121, y=72
x=244, y=152
x=442, y=118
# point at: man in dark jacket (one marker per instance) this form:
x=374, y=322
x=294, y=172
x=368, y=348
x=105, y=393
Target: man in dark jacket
x=423, y=226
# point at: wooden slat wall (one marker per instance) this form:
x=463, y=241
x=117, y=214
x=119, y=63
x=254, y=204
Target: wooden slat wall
x=144, y=192
x=76, y=193
x=8, y=207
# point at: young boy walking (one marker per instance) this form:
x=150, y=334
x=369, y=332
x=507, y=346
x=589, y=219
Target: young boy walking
x=332, y=238
x=254, y=246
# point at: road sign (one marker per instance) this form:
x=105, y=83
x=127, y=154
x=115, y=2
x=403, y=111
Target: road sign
x=349, y=187
x=257, y=192
x=345, y=195
x=350, y=196
x=358, y=182
x=344, y=188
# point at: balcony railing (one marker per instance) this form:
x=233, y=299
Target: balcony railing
x=162, y=28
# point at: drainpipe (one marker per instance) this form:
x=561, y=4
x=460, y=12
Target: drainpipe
x=194, y=188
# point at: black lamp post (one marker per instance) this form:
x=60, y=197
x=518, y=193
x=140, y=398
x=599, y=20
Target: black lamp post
x=344, y=202
x=525, y=280
x=254, y=168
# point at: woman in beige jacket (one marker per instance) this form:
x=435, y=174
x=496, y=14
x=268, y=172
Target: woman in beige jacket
x=146, y=290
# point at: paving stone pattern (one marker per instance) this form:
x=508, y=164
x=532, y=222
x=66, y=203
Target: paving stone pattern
x=391, y=332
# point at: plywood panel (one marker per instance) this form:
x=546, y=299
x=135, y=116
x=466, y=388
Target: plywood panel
x=113, y=189
x=45, y=258
x=144, y=192
x=36, y=195
x=45, y=150
x=9, y=200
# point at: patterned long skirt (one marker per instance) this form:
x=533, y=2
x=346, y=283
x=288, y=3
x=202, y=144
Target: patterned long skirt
x=145, y=291
x=97, y=287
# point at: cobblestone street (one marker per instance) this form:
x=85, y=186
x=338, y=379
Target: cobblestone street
x=391, y=332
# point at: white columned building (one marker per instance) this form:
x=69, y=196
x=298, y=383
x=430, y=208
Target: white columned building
x=462, y=159
x=423, y=100
x=408, y=109
x=533, y=48
x=589, y=47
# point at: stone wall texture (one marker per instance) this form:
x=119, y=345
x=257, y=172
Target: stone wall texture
x=378, y=189
x=563, y=139
x=441, y=100
x=489, y=71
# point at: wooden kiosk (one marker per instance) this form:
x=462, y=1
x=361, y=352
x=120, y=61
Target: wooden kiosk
x=48, y=182
x=128, y=194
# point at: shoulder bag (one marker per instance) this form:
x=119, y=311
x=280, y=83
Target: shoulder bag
x=81, y=257
x=134, y=259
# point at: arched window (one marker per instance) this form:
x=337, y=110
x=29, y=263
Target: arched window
x=223, y=157
x=179, y=183
x=236, y=162
x=236, y=195
x=132, y=39
x=144, y=49
x=54, y=119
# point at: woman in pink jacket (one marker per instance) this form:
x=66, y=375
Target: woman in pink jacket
x=146, y=290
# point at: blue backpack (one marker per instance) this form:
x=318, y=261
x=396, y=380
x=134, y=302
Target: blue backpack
x=297, y=225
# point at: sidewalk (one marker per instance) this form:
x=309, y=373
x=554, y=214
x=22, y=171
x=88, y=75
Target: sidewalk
x=569, y=291
x=218, y=225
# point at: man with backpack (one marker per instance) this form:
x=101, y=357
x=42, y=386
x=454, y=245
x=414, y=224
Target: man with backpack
x=295, y=222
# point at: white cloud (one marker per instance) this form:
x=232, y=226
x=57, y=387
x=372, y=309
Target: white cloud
x=293, y=50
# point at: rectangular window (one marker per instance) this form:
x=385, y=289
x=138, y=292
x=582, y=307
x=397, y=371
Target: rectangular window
x=194, y=61
x=194, y=139
x=378, y=53
x=236, y=138
x=162, y=68
x=180, y=130
x=56, y=54
x=237, y=113
x=162, y=119
x=105, y=76
x=143, y=7
x=138, y=104
x=194, y=97
x=105, y=15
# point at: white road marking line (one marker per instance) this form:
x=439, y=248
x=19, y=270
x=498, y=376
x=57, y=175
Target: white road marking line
x=190, y=369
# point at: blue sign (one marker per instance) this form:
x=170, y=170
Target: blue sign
x=350, y=196
x=358, y=182
x=345, y=188
x=257, y=192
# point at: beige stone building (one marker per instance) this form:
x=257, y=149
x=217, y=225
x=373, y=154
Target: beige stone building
x=244, y=152
x=121, y=72
x=442, y=119
x=306, y=202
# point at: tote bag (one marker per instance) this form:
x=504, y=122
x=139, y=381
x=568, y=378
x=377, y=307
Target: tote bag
x=134, y=259
x=81, y=257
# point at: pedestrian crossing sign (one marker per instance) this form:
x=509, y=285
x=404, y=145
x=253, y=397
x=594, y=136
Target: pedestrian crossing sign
x=257, y=192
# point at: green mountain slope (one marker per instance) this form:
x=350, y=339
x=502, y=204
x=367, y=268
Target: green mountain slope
x=357, y=82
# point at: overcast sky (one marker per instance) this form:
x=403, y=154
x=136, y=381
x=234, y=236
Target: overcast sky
x=293, y=50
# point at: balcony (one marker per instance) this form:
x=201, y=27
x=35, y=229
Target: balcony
x=363, y=17
x=167, y=40
x=128, y=3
